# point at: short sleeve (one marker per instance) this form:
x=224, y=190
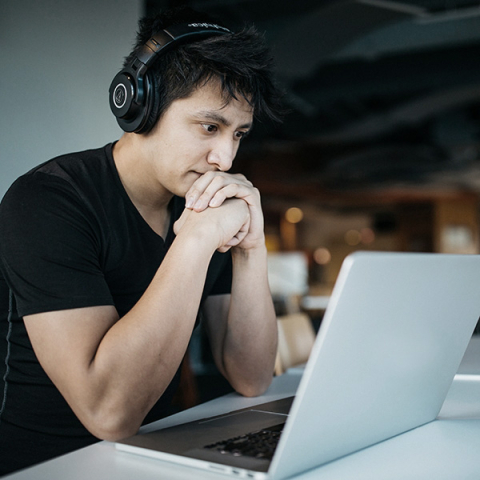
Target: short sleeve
x=50, y=246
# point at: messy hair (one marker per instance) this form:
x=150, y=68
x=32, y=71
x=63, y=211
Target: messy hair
x=240, y=61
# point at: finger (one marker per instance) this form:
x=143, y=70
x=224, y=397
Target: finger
x=237, y=238
x=177, y=226
x=198, y=188
x=234, y=241
x=212, y=188
x=208, y=184
x=240, y=235
x=249, y=194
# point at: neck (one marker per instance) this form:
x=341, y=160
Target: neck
x=149, y=197
x=137, y=175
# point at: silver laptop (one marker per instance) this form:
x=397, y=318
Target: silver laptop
x=390, y=343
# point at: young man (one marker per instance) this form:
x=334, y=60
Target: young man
x=107, y=257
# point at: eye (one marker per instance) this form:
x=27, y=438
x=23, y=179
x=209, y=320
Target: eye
x=241, y=134
x=208, y=127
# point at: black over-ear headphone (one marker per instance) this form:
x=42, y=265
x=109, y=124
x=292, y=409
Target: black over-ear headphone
x=131, y=96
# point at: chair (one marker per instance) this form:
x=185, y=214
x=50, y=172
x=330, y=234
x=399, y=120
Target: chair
x=296, y=337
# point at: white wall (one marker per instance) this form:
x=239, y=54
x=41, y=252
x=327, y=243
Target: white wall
x=57, y=59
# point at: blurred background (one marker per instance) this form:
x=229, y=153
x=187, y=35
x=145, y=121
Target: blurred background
x=379, y=151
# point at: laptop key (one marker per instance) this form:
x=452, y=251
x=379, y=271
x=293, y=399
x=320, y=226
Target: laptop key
x=259, y=444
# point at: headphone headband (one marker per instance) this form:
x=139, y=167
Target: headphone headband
x=130, y=90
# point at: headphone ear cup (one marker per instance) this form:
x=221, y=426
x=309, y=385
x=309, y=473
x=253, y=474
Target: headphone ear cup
x=121, y=95
x=127, y=101
x=150, y=110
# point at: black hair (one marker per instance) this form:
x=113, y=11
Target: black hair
x=240, y=61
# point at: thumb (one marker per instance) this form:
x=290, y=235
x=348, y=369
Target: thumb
x=177, y=226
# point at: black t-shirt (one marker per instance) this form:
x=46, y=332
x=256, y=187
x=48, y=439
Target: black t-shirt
x=70, y=237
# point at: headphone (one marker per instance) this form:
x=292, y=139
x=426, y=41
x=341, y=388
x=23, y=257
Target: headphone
x=131, y=92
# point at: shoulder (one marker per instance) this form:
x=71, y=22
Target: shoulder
x=64, y=165
x=78, y=169
x=60, y=192
x=68, y=178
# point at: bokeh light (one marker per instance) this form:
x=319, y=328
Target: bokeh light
x=294, y=215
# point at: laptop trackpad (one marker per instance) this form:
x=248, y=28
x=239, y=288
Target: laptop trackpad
x=238, y=423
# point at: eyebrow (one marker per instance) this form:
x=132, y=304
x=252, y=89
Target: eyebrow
x=218, y=118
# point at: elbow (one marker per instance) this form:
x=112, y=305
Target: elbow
x=253, y=388
x=249, y=382
x=250, y=392
x=114, y=434
x=111, y=426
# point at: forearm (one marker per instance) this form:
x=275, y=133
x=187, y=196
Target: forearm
x=244, y=344
x=250, y=342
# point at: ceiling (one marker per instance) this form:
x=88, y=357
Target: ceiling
x=384, y=96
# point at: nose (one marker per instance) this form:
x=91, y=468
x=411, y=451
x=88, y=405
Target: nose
x=222, y=154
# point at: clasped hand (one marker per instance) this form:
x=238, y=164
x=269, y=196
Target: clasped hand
x=222, y=197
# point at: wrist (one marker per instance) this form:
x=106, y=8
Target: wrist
x=257, y=254
x=202, y=238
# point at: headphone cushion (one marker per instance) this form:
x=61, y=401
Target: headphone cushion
x=149, y=112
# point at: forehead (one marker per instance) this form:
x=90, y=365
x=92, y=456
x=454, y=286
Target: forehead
x=209, y=100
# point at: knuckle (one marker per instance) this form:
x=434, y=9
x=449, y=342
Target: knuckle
x=231, y=187
x=217, y=181
x=240, y=176
x=205, y=195
x=244, y=179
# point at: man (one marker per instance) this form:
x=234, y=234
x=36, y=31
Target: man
x=107, y=256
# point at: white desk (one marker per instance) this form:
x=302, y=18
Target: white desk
x=448, y=448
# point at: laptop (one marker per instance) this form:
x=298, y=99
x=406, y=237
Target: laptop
x=391, y=340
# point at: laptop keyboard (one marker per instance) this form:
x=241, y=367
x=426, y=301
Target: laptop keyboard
x=260, y=444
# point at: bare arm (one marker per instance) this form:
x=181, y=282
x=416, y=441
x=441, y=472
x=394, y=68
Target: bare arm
x=243, y=332
x=112, y=370
x=242, y=327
